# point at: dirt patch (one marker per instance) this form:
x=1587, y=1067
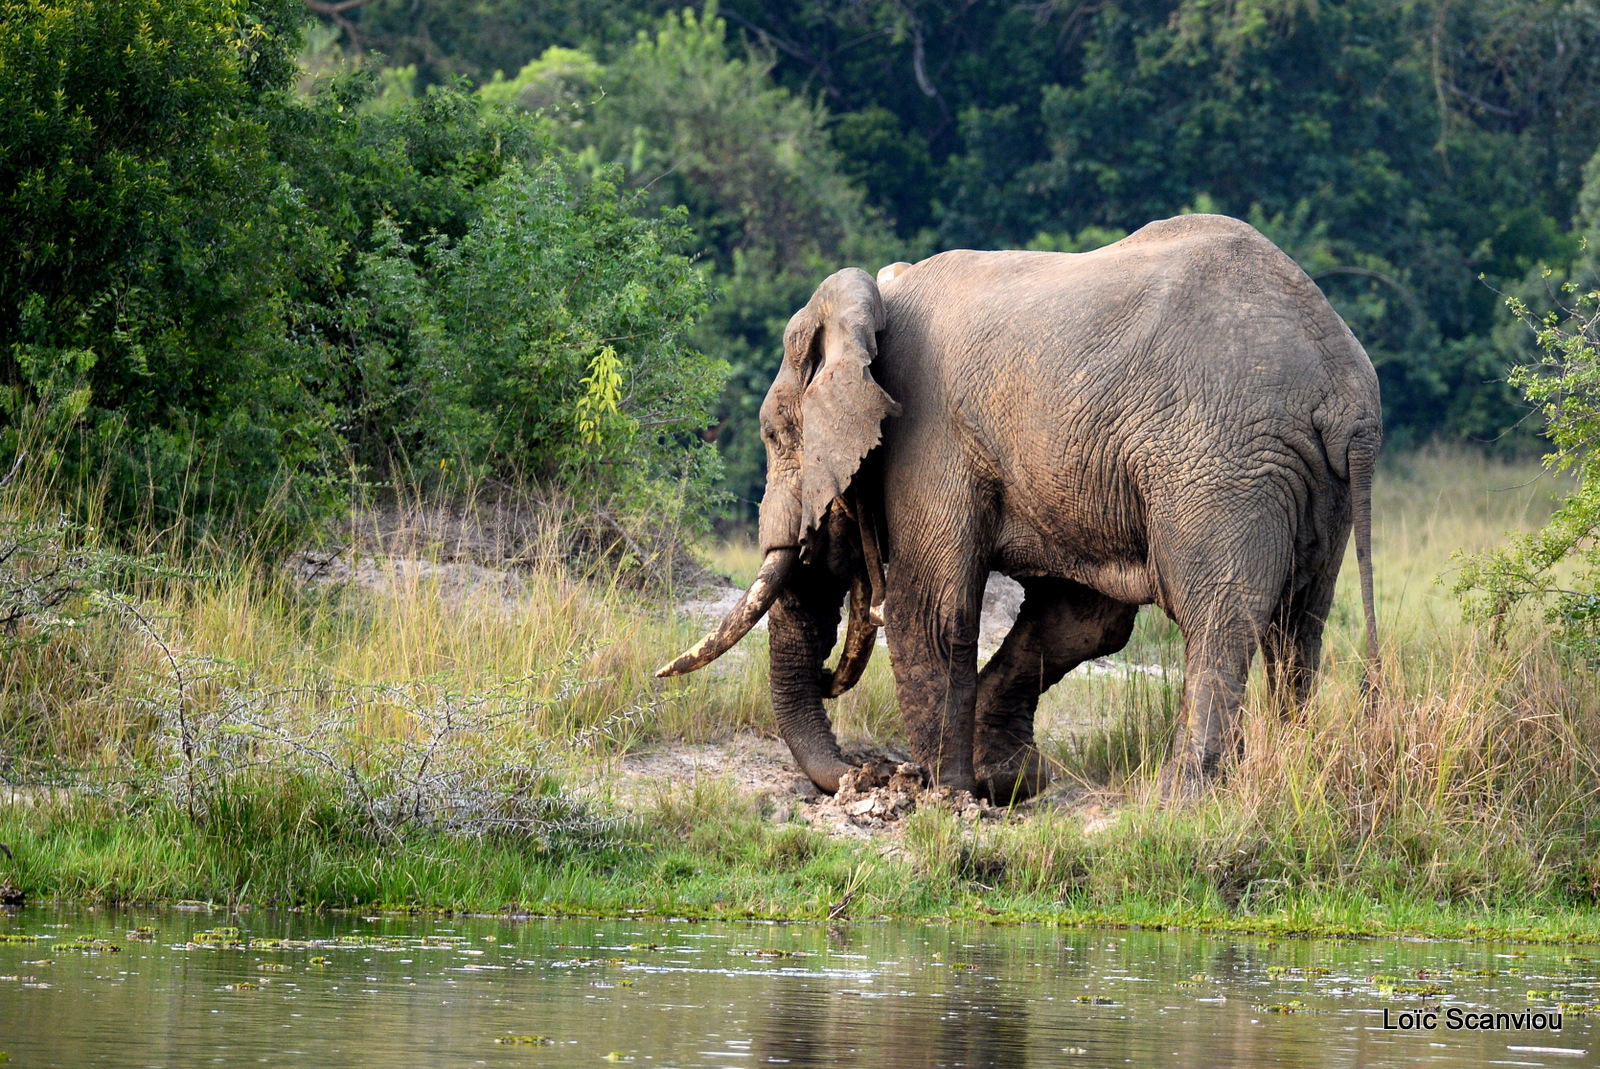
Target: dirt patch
x=488, y=541
x=758, y=766
x=877, y=797
x=18, y=797
x=711, y=603
x=872, y=803
x=1098, y=816
x=1002, y=600
x=457, y=581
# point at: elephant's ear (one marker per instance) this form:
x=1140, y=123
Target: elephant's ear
x=843, y=408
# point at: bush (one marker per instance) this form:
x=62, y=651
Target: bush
x=547, y=342
x=1557, y=566
x=493, y=311
x=144, y=238
x=686, y=120
x=220, y=301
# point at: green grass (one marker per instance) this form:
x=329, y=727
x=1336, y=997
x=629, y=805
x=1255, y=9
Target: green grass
x=1467, y=804
x=712, y=854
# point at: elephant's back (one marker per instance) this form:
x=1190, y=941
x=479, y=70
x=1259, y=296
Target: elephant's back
x=1182, y=316
x=1171, y=275
x=1192, y=354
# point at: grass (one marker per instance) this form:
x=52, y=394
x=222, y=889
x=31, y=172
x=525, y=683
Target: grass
x=706, y=852
x=1465, y=805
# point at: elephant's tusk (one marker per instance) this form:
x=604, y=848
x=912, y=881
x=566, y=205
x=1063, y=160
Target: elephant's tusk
x=741, y=618
x=859, y=639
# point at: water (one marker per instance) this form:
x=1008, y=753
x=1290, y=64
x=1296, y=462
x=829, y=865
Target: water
x=306, y=990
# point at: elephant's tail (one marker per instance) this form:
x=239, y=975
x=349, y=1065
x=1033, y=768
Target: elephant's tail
x=1362, y=457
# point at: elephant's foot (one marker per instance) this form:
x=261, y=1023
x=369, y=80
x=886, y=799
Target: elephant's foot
x=1017, y=778
x=957, y=779
x=824, y=766
x=946, y=765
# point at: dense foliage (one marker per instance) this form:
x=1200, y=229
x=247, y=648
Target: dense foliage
x=1400, y=149
x=142, y=234
x=240, y=281
x=484, y=302
x=220, y=300
x=692, y=123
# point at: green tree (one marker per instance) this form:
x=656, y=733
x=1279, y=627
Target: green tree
x=145, y=233
x=690, y=121
x=489, y=302
x=447, y=39
x=218, y=294
x=765, y=192
x=1558, y=566
x=709, y=130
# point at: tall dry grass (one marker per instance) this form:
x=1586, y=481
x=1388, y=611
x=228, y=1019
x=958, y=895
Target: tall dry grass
x=400, y=611
x=1474, y=777
x=1473, y=780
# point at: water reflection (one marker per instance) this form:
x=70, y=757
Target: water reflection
x=915, y=1010
x=293, y=989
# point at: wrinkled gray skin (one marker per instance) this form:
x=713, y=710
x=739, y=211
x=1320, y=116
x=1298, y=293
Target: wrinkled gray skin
x=1179, y=419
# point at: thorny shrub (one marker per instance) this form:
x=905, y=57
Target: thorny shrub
x=407, y=759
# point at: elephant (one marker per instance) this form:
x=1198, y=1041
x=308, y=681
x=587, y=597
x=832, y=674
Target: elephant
x=1180, y=419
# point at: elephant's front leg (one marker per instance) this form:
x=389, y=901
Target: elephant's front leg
x=1061, y=625
x=933, y=607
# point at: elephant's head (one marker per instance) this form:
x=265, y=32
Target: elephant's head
x=822, y=416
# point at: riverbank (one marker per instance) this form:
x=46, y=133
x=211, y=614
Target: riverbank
x=423, y=730
x=715, y=858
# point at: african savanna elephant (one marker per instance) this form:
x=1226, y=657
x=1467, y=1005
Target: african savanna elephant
x=1180, y=418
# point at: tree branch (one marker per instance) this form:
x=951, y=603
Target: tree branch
x=1493, y=109
x=334, y=10
x=15, y=467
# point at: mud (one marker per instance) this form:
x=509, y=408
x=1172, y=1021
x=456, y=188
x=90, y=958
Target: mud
x=883, y=792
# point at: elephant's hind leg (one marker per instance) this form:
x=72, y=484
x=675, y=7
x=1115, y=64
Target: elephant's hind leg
x=1292, y=647
x=1061, y=625
x=1226, y=590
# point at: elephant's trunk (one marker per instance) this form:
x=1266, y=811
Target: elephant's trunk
x=775, y=568
x=803, y=627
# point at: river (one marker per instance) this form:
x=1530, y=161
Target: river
x=177, y=988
